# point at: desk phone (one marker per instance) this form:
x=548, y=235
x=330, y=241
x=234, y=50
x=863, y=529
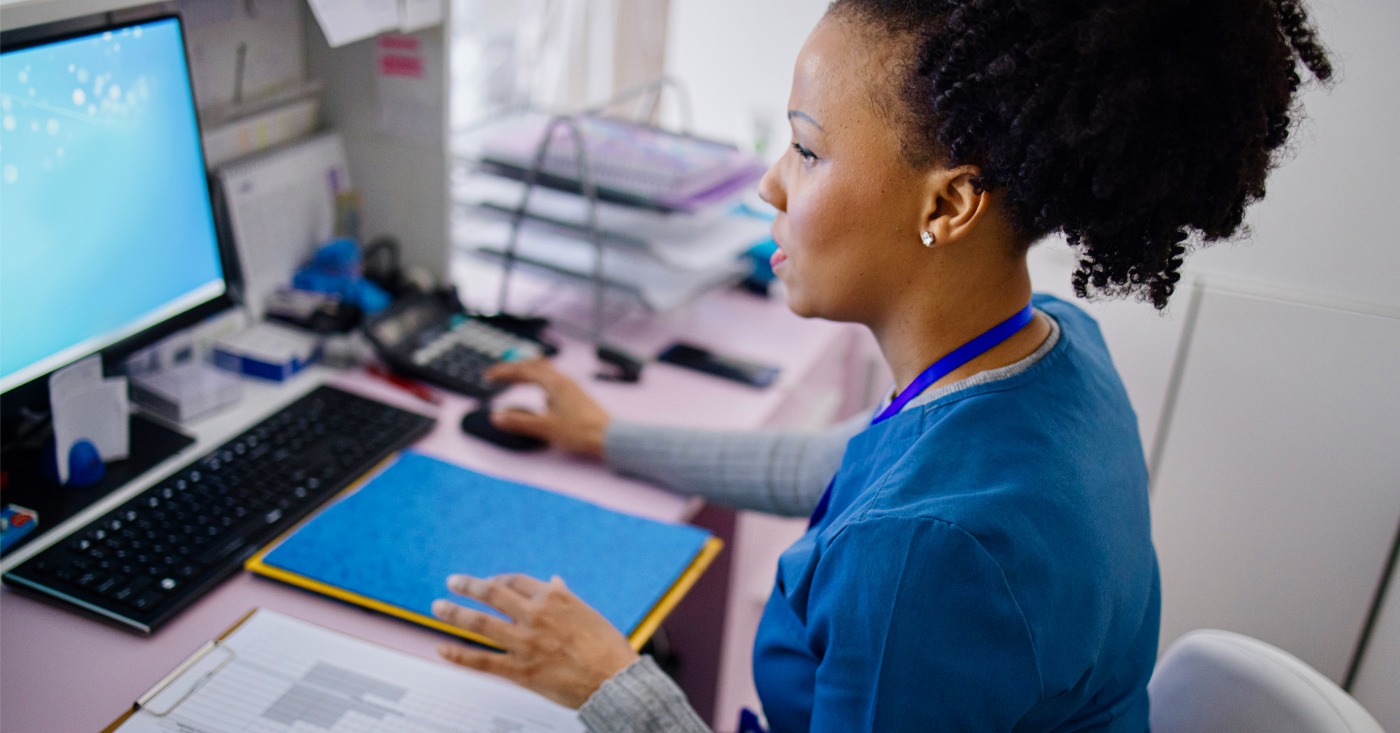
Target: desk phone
x=433, y=339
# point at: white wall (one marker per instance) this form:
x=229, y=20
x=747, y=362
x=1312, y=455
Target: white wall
x=1327, y=227
x=736, y=58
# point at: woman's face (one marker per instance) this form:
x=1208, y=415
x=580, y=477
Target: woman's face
x=849, y=207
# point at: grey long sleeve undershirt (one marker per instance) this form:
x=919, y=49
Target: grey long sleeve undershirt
x=779, y=472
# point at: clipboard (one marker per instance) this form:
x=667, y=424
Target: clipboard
x=173, y=689
x=273, y=671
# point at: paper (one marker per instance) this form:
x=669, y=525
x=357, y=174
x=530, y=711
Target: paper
x=75, y=377
x=281, y=207
x=408, y=87
x=419, y=14
x=715, y=246
x=657, y=284
x=275, y=673
x=346, y=21
x=698, y=241
x=87, y=407
x=654, y=166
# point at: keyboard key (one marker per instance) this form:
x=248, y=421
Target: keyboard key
x=148, y=600
x=220, y=552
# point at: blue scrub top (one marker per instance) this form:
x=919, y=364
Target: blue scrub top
x=986, y=564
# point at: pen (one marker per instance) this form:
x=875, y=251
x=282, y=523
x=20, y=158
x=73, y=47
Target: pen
x=417, y=389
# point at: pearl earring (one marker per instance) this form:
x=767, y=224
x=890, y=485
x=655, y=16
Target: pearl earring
x=926, y=238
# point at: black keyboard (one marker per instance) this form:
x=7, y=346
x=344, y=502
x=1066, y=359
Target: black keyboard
x=146, y=560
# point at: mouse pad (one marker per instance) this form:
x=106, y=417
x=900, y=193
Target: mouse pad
x=478, y=423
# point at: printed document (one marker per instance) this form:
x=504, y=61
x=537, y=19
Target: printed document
x=276, y=673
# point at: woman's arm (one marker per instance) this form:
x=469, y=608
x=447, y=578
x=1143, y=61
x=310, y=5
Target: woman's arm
x=783, y=472
x=780, y=472
x=916, y=628
x=640, y=699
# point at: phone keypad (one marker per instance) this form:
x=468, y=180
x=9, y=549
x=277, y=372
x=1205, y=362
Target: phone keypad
x=465, y=350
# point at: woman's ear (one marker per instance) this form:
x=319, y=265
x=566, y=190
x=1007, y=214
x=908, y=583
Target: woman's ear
x=955, y=204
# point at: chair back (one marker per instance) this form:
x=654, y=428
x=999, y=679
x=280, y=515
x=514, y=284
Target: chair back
x=1213, y=681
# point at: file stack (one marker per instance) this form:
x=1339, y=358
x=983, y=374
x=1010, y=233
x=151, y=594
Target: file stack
x=668, y=213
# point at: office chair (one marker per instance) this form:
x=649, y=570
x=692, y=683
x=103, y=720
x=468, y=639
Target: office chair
x=1217, y=681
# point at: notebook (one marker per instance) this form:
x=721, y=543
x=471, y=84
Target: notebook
x=390, y=545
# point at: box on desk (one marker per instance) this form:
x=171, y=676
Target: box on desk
x=267, y=351
x=186, y=391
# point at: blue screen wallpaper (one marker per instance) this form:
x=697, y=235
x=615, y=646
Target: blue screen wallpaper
x=104, y=209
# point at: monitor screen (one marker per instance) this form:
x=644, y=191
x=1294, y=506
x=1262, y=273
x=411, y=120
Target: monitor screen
x=106, y=228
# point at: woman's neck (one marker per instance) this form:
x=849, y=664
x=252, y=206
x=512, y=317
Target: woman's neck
x=949, y=315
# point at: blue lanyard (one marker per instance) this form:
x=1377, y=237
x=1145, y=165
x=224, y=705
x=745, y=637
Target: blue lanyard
x=936, y=371
x=978, y=346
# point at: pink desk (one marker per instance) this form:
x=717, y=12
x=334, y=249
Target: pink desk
x=63, y=672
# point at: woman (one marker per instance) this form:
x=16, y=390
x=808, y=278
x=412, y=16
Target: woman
x=982, y=559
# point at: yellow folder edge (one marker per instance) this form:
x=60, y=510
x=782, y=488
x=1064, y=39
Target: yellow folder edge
x=645, y=628
x=678, y=590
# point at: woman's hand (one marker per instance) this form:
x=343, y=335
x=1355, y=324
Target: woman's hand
x=571, y=420
x=555, y=644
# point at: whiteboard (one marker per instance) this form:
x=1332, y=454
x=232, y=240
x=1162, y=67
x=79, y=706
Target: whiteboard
x=1276, y=492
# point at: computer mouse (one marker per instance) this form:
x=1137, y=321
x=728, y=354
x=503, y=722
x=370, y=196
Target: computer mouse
x=478, y=423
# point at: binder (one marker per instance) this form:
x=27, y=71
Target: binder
x=270, y=671
x=390, y=545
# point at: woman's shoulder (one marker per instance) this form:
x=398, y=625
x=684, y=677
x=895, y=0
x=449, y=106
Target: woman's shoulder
x=1042, y=445
x=1069, y=398
x=1073, y=370
x=1079, y=329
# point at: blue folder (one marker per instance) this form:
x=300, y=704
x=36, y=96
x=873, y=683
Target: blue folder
x=390, y=545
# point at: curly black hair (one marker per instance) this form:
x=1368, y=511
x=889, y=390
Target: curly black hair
x=1133, y=126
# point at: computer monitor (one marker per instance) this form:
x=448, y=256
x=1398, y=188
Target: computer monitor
x=106, y=225
x=107, y=234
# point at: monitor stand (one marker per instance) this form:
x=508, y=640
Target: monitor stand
x=27, y=484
